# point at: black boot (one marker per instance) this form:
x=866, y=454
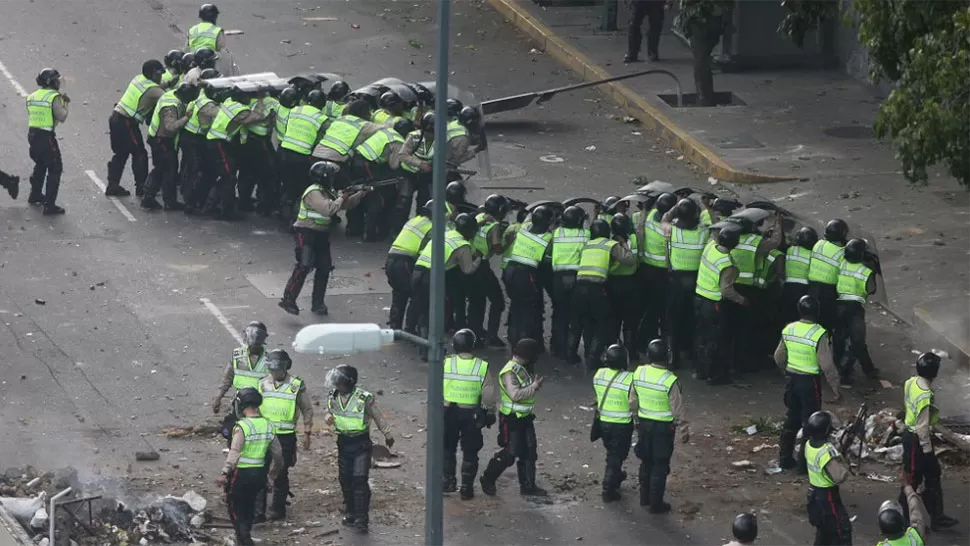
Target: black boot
x=490, y=476
x=610, y=484
x=468, y=472
x=644, y=488
x=530, y=488
x=938, y=520
x=449, y=481
x=259, y=511
x=658, y=486
x=361, y=507
x=786, y=449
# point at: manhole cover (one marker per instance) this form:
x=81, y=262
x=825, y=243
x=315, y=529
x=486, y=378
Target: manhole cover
x=343, y=282
x=850, y=131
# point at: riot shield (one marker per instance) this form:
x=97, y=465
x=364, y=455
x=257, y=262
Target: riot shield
x=468, y=99
x=266, y=78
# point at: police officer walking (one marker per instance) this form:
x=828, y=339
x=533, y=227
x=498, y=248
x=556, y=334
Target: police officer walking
x=745, y=530
x=823, y=272
x=248, y=363
x=530, y=252
x=855, y=284
x=253, y=464
x=892, y=520
x=920, y=463
x=568, y=241
x=660, y=412
x=798, y=259
x=488, y=242
x=136, y=104
x=284, y=397
x=804, y=354
x=715, y=292
x=468, y=392
x=518, y=385
x=206, y=33
x=400, y=265
x=46, y=107
x=317, y=206
x=685, y=244
x=613, y=386
x=172, y=112
x=825, y=472
x=653, y=12
x=350, y=409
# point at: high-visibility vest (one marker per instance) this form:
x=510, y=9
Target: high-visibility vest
x=529, y=248
x=797, y=262
x=512, y=230
x=350, y=418
x=381, y=116
x=817, y=458
x=917, y=399
x=372, y=149
x=463, y=380
x=245, y=374
x=456, y=130
x=706, y=219
x=453, y=241
x=764, y=273
x=523, y=379
x=132, y=96
x=613, y=395
x=686, y=247
x=594, y=261
x=194, y=125
x=424, y=151
x=342, y=134
x=619, y=270
x=606, y=217
x=40, y=109
x=655, y=244
x=259, y=436
x=911, y=538
x=826, y=261
x=567, y=248
x=653, y=389
x=228, y=111
x=167, y=100
x=801, y=344
x=852, y=282
x=480, y=241
x=412, y=235
x=713, y=263
x=262, y=128
x=279, y=404
x=203, y=35
x=282, y=114
x=307, y=213
x=334, y=109
x=168, y=78
x=302, y=129
x=744, y=256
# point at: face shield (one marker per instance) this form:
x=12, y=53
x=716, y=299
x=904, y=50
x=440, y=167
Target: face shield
x=254, y=336
x=338, y=379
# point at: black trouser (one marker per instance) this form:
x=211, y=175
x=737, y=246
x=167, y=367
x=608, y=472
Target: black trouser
x=518, y=445
x=803, y=397
x=791, y=293
x=625, y=298
x=420, y=304
x=353, y=470
x=242, y=489
x=165, y=164
x=655, y=286
x=524, y=302
x=485, y=288
x=398, y=269
x=827, y=514
x=850, y=336
x=655, y=447
x=126, y=140
x=190, y=171
x=416, y=182
x=461, y=427
x=590, y=318
x=617, y=438
x=826, y=296
x=258, y=171
x=680, y=316
x=312, y=253
x=371, y=216
x=713, y=339
x=563, y=283
x=220, y=174
x=46, y=155
x=653, y=12
x=294, y=170
x=923, y=468
x=281, y=486
x=744, y=331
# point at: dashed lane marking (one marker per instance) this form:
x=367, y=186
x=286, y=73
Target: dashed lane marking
x=13, y=81
x=222, y=319
x=121, y=207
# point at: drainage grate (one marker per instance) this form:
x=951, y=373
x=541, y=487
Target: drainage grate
x=850, y=131
x=721, y=98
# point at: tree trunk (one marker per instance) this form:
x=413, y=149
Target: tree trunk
x=703, y=39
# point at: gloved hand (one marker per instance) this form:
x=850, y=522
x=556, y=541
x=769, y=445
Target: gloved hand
x=489, y=419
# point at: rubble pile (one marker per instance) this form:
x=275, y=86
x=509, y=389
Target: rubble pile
x=883, y=439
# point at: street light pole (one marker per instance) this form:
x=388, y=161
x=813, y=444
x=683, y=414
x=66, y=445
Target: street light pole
x=433, y=533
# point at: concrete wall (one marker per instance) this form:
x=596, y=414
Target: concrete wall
x=853, y=57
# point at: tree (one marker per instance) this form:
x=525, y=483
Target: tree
x=702, y=23
x=923, y=47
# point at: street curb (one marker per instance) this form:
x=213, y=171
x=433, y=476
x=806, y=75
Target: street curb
x=635, y=105
x=936, y=332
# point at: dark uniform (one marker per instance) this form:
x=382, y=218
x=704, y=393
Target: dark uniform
x=167, y=120
x=468, y=389
x=485, y=287
x=714, y=297
x=303, y=130
x=823, y=275
x=623, y=288
x=653, y=12
x=567, y=247
x=46, y=107
x=653, y=274
x=530, y=252
x=747, y=324
x=258, y=170
x=460, y=262
x=133, y=109
x=613, y=387
x=399, y=267
x=855, y=283
x=221, y=153
x=825, y=472
x=684, y=250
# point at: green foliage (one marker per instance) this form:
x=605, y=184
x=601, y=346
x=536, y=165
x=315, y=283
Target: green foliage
x=805, y=15
x=696, y=14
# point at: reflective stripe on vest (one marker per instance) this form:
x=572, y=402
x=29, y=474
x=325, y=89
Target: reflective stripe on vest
x=259, y=435
x=713, y=263
x=220, y=125
x=381, y=116
x=801, y=344
x=655, y=244
x=463, y=380
x=595, y=258
x=510, y=231
x=706, y=219
x=523, y=379
x=744, y=258
x=615, y=405
x=456, y=130
x=167, y=100
x=765, y=268
x=129, y=101
x=334, y=109
x=282, y=113
x=244, y=374
x=412, y=235
x=480, y=241
x=40, y=109
x=567, y=248
x=453, y=241
x=424, y=151
x=911, y=538
x=302, y=129
x=797, y=261
x=194, y=125
x=852, y=282
x=686, y=247
x=530, y=248
x=619, y=270
x=653, y=389
x=342, y=134
x=203, y=35
x=826, y=261
x=817, y=458
x=307, y=213
x=279, y=404
x=349, y=418
x=372, y=149
x=262, y=127
x=917, y=399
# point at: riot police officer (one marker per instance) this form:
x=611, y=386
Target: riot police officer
x=206, y=34
x=391, y=109
x=46, y=107
x=623, y=289
x=531, y=252
x=173, y=69
x=745, y=530
x=823, y=272
x=825, y=472
x=685, y=244
x=613, y=386
x=892, y=520
x=855, y=284
x=568, y=241
x=715, y=288
x=248, y=363
x=798, y=258
x=417, y=155
x=488, y=242
x=305, y=126
x=136, y=104
x=653, y=267
x=379, y=158
x=400, y=264
x=172, y=112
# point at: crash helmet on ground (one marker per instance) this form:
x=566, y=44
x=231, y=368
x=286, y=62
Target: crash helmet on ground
x=466, y=225
x=657, y=351
x=324, y=173
x=339, y=90
x=464, y=341
x=599, y=229
x=49, y=78
x=455, y=193
x=808, y=308
x=745, y=528
x=729, y=236
x=819, y=425
x=806, y=237
x=855, y=251
x=573, y=217
x=928, y=365
x=836, y=231
x=278, y=359
x=616, y=357
x=496, y=206
x=621, y=225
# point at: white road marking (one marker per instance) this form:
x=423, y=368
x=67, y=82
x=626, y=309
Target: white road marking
x=13, y=81
x=121, y=207
x=222, y=319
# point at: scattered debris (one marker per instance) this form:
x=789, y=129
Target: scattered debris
x=39, y=301
x=880, y=478
x=233, y=32
x=313, y=19
x=757, y=449
x=772, y=470
x=415, y=44
x=386, y=464
x=630, y=119
x=752, y=430
x=743, y=464
x=198, y=430
x=147, y=456
x=590, y=148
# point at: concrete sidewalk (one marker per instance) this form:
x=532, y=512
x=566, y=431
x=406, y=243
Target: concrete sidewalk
x=802, y=138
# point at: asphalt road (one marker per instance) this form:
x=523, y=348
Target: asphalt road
x=116, y=326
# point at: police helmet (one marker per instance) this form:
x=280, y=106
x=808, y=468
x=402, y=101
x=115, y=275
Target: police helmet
x=425, y=96
x=49, y=79
x=389, y=99
x=836, y=231
x=464, y=341
x=426, y=209
x=240, y=95
x=217, y=94
x=621, y=225
x=599, y=229
x=665, y=202
x=455, y=193
x=454, y=107
x=725, y=207
x=928, y=365
x=316, y=99
x=339, y=90
x=688, y=211
x=206, y=58
x=153, y=70
x=573, y=217
x=855, y=251
x=427, y=122
x=466, y=225
x=289, y=97
x=210, y=73
x=616, y=357
x=403, y=126
x=657, y=351
x=324, y=172
x=819, y=425
x=254, y=333
x=541, y=219
x=806, y=237
x=278, y=359
x=343, y=375
x=808, y=308
x=188, y=62
x=469, y=117
x=247, y=397
x=173, y=59
x=208, y=13
x=358, y=108
x=745, y=528
x=496, y=206
x=729, y=236
x=527, y=349
x=892, y=524
x=186, y=92
x=610, y=202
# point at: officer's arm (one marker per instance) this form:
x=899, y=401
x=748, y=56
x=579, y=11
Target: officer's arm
x=495, y=241
x=467, y=261
x=371, y=411
x=781, y=355
x=225, y=384
x=488, y=392
x=768, y=244
x=322, y=205
x=917, y=512
x=827, y=364
x=257, y=113
x=677, y=405
x=622, y=254
x=516, y=393
x=235, y=450
x=634, y=402
x=393, y=153
x=407, y=153
x=207, y=114
x=306, y=408
x=148, y=101
x=170, y=122
x=221, y=41
x=923, y=430
x=60, y=109
x=366, y=132
x=871, y=284
x=726, y=282
x=836, y=470
x=276, y=458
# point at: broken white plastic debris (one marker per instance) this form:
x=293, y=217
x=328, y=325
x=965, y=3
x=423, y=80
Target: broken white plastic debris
x=712, y=181
x=752, y=430
x=590, y=148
